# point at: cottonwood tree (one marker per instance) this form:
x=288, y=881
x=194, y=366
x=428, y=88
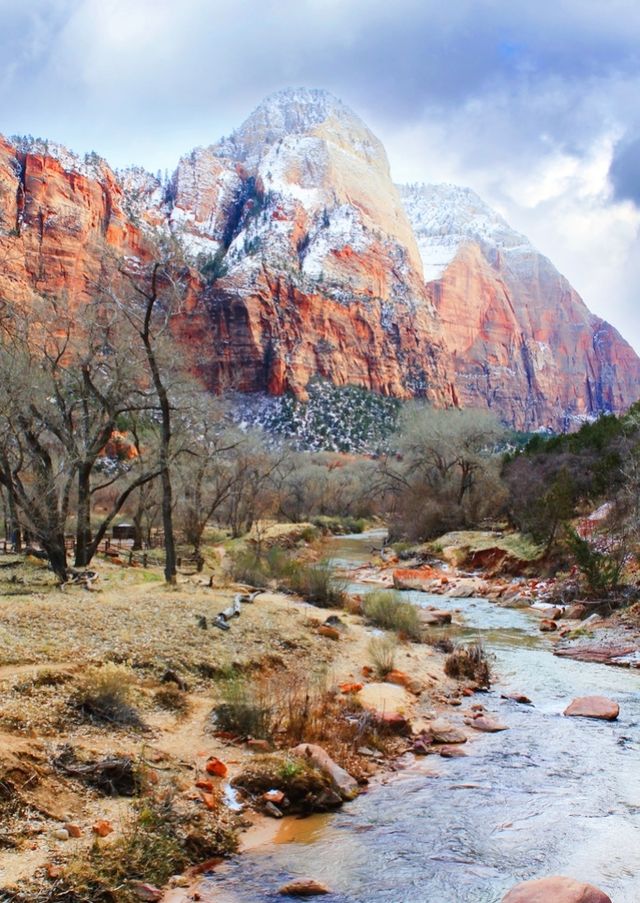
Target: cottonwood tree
x=32, y=468
x=205, y=464
x=443, y=470
x=151, y=294
x=64, y=388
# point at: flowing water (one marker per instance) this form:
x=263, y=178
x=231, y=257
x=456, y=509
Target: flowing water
x=551, y=795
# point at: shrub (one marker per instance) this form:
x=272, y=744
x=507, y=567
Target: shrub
x=290, y=705
x=387, y=610
x=158, y=841
x=248, y=567
x=300, y=782
x=382, y=651
x=470, y=662
x=173, y=699
x=600, y=570
x=105, y=695
x=246, y=710
x=317, y=584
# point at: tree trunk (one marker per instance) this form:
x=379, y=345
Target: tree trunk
x=15, y=531
x=170, y=566
x=83, y=527
x=57, y=553
x=137, y=529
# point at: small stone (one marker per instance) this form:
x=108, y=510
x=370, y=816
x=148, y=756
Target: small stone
x=209, y=800
x=330, y=632
x=304, y=887
x=53, y=871
x=102, y=827
x=73, y=830
x=547, y=625
x=216, y=767
x=517, y=697
x=395, y=722
x=273, y=796
x=487, y=724
x=348, y=688
x=451, y=752
x=440, y=731
x=61, y=834
x=272, y=810
x=206, y=785
x=421, y=746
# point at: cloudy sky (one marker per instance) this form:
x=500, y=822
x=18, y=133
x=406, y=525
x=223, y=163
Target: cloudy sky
x=533, y=103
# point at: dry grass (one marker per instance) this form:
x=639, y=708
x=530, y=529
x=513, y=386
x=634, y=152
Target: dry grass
x=382, y=652
x=469, y=662
x=289, y=705
x=161, y=838
x=386, y=609
x=105, y=695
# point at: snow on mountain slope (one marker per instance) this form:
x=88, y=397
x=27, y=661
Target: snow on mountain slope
x=445, y=216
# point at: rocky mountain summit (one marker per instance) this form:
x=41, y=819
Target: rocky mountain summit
x=312, y=263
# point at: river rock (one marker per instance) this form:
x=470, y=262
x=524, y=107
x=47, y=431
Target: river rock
x=431, y=617
x=421, y=579
x=556, y=890
x=547, y=625
x=517, y=697
x=467, y=587
x=304, y=887
x=593, y=707
x=440, y=731
x=342, y=781
x=487, y=724
x=451, y=752
x=575, y=612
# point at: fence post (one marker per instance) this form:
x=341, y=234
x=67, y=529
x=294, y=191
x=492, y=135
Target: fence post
x=130, y=558
x=144, y=560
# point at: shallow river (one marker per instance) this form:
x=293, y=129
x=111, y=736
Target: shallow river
x=551, y=795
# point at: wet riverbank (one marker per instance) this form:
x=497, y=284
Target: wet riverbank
x=550, y=795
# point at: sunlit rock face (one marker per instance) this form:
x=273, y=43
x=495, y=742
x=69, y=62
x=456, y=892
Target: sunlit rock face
x=308, y=261
x=521, y=340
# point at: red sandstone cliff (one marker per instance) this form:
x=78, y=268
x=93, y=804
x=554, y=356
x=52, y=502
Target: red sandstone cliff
x=313, y=263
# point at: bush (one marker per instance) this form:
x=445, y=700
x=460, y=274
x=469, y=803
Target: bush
x=317, y=584
x=469, y=662
x=340, y=525
x=248, y=567
x=600, y=570
x=385, y=609
x=300, y=782
x=246, y=710
x=173, y=699
x=159, y=841
x=291, y=705
x=105, y=695
x=382, y=651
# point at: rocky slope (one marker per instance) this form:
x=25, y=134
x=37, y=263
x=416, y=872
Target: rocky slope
x=521, y=339
x=312, y=263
